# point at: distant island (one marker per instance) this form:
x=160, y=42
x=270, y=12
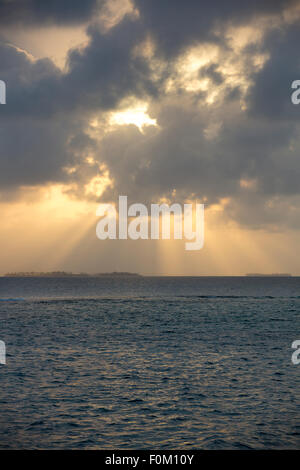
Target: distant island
x=68, y=274
x=269, y=275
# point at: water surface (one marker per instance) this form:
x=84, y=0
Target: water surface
x=137, y=363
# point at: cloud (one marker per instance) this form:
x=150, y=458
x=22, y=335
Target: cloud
x=180, y=155
x=35, y=152
x=176, y=24
x=98, y=76
x=226, y=129
x=28, y=12
x=270, y=95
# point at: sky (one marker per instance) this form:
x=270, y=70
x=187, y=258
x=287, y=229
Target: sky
x=163, y=102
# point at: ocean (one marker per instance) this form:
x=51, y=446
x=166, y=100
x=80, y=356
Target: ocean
x=149, y=363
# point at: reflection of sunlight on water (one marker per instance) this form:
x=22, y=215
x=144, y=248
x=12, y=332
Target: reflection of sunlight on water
x=150, y=362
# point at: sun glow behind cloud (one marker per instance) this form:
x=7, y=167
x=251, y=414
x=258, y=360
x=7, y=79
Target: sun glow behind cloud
x=55, y=220
x=37, y=232
x=57, y=232
x=136, y=115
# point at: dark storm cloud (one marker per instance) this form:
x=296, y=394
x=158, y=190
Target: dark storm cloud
x=31, y=85
x=271, y=93
x=108, y=71
x=38, y=151
x=210, y=71
x=42, y=127
x=36, y=136
x=180, y=156
x=176, y=24
x=98, y=77
x=45, y=106
x=28, y=12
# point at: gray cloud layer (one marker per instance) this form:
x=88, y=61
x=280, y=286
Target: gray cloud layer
x=176, y=24
x=28, y=12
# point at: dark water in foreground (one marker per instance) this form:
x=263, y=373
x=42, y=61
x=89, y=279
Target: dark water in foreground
x=156, y=363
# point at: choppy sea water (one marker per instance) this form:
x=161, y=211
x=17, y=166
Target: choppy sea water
x=149, y=363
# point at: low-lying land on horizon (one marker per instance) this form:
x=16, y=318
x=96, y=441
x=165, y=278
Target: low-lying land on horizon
x=269, y=275
x=68, y=274
x=129, y=274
